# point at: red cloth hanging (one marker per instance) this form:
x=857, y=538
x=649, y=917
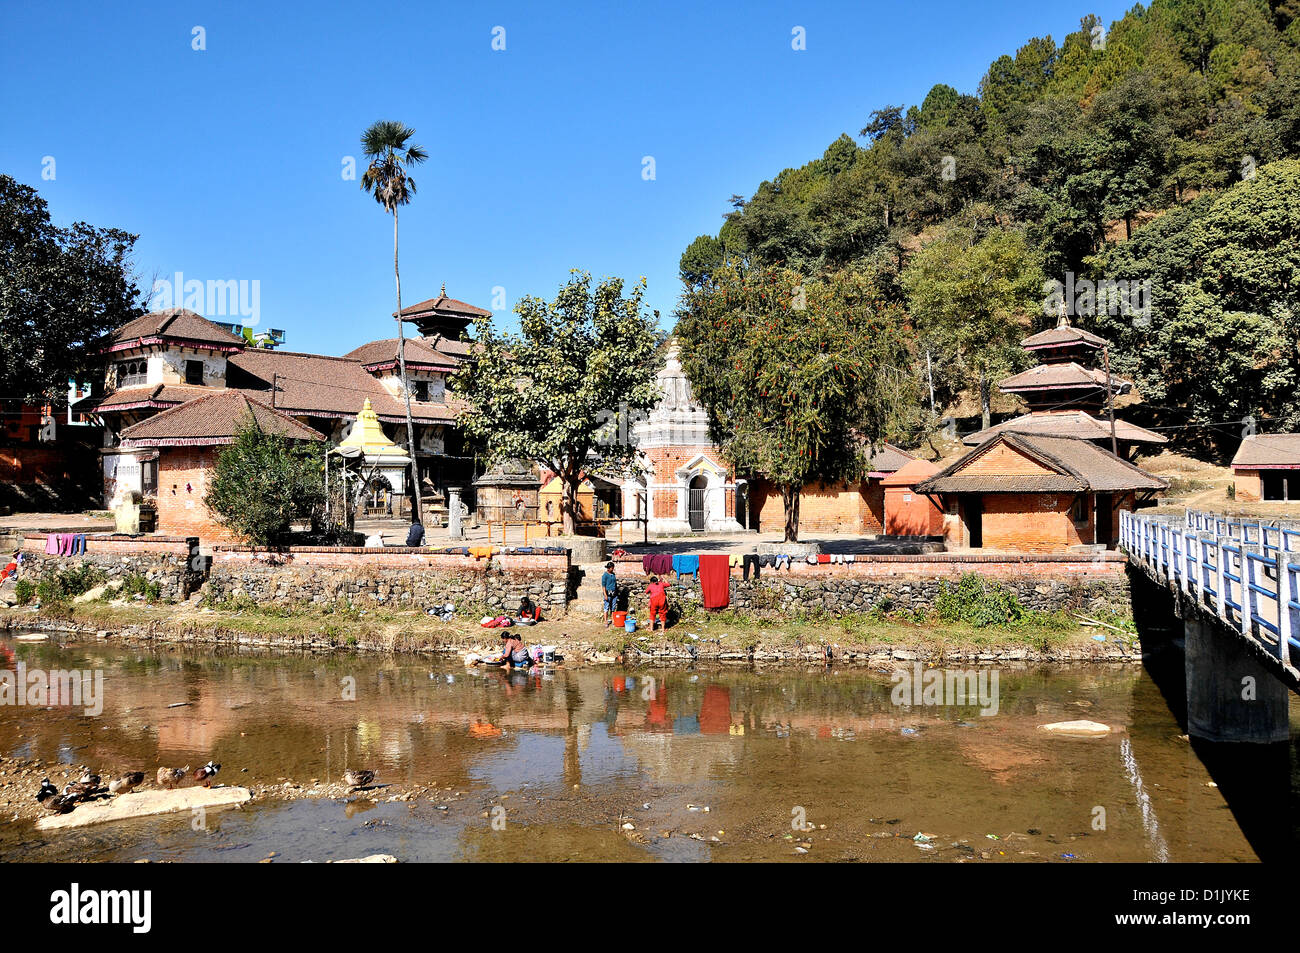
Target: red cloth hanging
x=715, y=580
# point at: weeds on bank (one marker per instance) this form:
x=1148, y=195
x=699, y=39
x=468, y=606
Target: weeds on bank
x=136, y=584
x=974, y=611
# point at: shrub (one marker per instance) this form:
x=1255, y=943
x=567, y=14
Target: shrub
x=136, y=584
x=23, y=591
x=263, y=482
x=57, y=587
x=979, y=602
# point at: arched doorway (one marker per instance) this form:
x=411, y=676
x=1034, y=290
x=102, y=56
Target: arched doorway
x=695, y=502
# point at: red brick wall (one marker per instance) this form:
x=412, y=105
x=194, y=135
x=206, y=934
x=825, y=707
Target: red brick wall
x=1108, y=565
x=917, y=516
x=1032, y=522
x=1250, y=487
x=666, y=462
x=838, y=508
x=390, y=557
x=183, y=475
x=1006, y=460
x=112, y=544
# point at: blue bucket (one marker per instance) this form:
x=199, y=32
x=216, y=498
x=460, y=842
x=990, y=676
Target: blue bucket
x=630, y=624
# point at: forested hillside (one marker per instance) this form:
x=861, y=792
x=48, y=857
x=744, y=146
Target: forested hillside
x=1148, y=167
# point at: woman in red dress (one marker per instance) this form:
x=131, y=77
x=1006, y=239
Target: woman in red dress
x=658, y=594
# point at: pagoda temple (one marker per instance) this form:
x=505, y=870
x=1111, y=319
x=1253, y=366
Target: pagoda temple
x=1048, y=481
x=1068, y=394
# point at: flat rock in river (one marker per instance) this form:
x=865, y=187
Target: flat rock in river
x=1087, y=729
x=372, y=859
x=145, y=804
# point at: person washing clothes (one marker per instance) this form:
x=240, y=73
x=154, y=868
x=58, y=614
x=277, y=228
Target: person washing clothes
x=513, y=648
x=609, y=583
x=658, y=594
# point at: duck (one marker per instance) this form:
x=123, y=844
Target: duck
x=124, y=783
x=61, y=803
x=47, y=791
x=205, y=774
x=358, y=779
x=172, y=777
x=87, y=787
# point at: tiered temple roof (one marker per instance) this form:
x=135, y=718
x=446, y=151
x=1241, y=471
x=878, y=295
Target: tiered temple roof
x=1066, y=391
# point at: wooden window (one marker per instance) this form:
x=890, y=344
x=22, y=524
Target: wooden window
x=194, y=372
x=1079, y=509
x=132, y=373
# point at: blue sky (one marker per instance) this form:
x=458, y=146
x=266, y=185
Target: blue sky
x=228, y=161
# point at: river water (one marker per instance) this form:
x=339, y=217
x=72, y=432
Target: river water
x=791, y=764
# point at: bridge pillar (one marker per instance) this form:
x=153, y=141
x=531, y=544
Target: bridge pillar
x=1231, y=696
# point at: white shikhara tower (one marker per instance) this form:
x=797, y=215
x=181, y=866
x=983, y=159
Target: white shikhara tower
x=687, y=485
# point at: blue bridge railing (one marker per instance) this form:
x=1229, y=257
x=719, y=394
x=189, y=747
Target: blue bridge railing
x=1247, y=572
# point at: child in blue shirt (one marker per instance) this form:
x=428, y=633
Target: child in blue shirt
x=609, y=583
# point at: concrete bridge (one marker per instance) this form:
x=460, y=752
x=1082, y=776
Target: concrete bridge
x=1236, y=587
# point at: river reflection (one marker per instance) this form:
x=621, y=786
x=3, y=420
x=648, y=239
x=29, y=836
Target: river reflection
x=564, y=758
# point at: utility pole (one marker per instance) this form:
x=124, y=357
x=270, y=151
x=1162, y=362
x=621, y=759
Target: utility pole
x=1110, y=399
x=417, y=505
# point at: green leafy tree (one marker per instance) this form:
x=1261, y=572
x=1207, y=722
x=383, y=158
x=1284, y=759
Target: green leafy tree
x=388, y=146
x=1220, y=339
x=1130, y=140
x=799, y=377
x=564, y=391
x=701, y=258
x=61, y=291
x=972, y=300
x=263, y=482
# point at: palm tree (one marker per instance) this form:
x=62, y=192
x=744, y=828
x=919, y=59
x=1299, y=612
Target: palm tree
x=387, y=179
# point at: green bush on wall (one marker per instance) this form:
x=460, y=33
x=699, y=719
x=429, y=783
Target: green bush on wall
x=978, y=602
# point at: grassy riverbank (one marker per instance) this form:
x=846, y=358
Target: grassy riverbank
x=717, y=635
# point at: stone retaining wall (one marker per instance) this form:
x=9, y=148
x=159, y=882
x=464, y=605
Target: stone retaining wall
x=1044, y=582
x=398, y=576
x=170, y=561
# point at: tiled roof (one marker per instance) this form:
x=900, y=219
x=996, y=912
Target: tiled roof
x=1062, y=336
x=313, y=384
x=176, y=324
x=1074, y=423
x=419, y=352
x=887, y=458
x=913, y=472
x=443, y=305
x=213, y=419
x=153, y=396
x=1069, y=374
x=1265, y=450
x=1078, y=466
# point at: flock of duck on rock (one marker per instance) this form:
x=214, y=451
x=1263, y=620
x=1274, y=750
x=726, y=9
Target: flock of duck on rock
x=90, y=789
